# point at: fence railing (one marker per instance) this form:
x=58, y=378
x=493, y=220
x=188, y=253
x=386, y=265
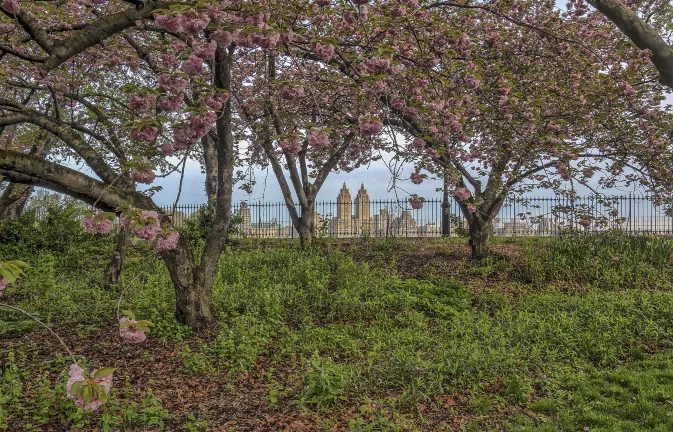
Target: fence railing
x=519, y=216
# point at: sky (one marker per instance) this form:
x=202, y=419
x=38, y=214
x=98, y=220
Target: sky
x=376, y=178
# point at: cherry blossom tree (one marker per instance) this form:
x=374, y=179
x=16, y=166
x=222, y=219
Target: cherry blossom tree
x=504, y=98
x=645, y=26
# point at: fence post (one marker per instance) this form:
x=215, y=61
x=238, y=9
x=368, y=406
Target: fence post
x=446, y=226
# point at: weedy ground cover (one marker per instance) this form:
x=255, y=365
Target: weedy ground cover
x=553, y=335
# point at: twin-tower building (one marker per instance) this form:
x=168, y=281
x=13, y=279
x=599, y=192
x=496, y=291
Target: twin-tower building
x=352, y=218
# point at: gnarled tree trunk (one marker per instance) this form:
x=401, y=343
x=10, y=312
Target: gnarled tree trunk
x=113, y=270
x=305, y=225
x=13, y=200
x=193, y=293
x=480, y=232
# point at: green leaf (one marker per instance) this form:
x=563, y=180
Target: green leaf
x=103, y=372
x=77, y=388
x=129, y=314
x=88, y=393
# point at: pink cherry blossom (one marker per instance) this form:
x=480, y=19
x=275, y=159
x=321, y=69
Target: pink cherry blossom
x=416, y=178
x=144, y=133
x=324, y=50
x=216, y=102
x=131, y=332
x=145, y=176
x=3, y=283
x=290, y=93
x=462, y=194
x=11, y=6
x=151, y=228
x=322, y=2
x=90, y=225
x=165, y=242
x=198, y=126
x=472, y=82
x=196, y=24
x=168, y=23
x=193, y=66
x=141, y=103
x=171, y=104
x=171, y=84
x=418, y=143
x=416, y=202
x=266, y=40
x=181, y=140
x=318, y=138
x=76, y=374
x=370, y=125
x=471, y=208
x=205, y=51
x=292, y=144
x=224, y=38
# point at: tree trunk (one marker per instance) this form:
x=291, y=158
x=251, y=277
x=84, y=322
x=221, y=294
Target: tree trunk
x=113, y=270
x=13, y=200
x=306, y=226
x=479, y=235
x=193, y=289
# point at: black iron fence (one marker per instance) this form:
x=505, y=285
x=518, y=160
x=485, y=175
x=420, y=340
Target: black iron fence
x=519, y=216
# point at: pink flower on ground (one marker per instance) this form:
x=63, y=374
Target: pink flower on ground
x=166, y=242
x=205, y=51
x=130, y=332
x=193, y=66
x=76, y=374
x=11, y=6
x=102, y=226
x=144, y=133
x=291, y=145
x=290, y=93
x=151, y=227
x=318, y=138
x=416, y=178
x=370, y=125
x=462, y=194
x=145, y=176
x=416, y=202
x=3, y=283
x=324, y=51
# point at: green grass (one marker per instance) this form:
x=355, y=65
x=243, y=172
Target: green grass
x=350, y=331
x=637, y=397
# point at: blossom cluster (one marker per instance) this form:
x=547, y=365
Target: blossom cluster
x=96, y=224
x=3, y=283
x=416, y=202
x=370, y=125
x=130, y=331
x=291, y=144
x=77, y=382
x=318, y=138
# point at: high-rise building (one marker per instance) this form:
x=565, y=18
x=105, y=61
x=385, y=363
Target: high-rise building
x=363, y=212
